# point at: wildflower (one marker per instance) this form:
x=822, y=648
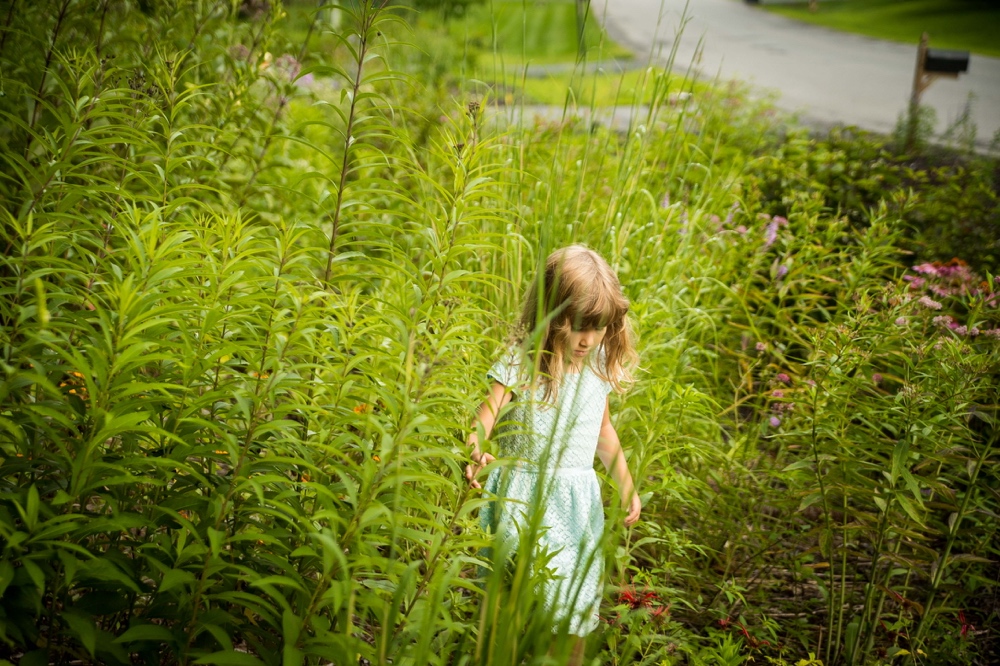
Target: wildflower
x=239, y=52
x=761, y=347
x=783, y=378
x=287, y=67
x=665, y=201
x=777, y=394
x=992, y=333
x=901, y=321
x=926, y=269
x=877, y=378
x=782, y=271
x=771, y=233
x=741, y=230
x=943, y=320
x=732, y=211
x=811, y=382
x=929, y=303
x=774, y=421
x=966, y=626
x=635, y=600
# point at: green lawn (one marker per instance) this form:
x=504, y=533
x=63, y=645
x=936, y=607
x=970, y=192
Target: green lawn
x=541, y=32
x=972, y=25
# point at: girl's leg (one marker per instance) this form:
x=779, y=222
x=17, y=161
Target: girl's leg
x=576, y=650
x=578, y=644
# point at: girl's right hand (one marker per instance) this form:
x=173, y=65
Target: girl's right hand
x=479, y=461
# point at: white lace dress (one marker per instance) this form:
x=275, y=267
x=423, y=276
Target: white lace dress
x=553, y=448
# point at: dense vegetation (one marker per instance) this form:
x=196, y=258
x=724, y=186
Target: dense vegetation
x=250, y=290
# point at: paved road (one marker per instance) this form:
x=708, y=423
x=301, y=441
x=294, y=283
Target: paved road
x=828, y=77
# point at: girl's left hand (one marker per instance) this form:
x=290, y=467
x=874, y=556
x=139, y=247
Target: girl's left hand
x=478, y=463
x=634, y=509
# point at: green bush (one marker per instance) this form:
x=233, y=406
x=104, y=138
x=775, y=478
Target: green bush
x=249, y=298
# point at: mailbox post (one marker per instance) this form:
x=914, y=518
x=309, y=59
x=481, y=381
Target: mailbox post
x=932, y=64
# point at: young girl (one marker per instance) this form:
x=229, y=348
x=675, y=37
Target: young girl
x=558, y=418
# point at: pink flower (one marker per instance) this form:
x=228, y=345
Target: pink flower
x=741, y=230
x=811, y=382
x=877, y=378
x=926, y=269
x=665, y=201
x=943, y=320
x=777, y=394
x=761, y=347
x=783, y=378
x=901, y=321
x=929, y=303
x=781, y=220
x=992, y=333
x=774, y=421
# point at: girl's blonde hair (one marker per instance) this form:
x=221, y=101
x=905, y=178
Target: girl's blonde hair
x=580, y=291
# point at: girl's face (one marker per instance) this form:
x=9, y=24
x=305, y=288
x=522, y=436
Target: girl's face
x=583, y=342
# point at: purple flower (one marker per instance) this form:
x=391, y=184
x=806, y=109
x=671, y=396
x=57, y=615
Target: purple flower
x=287, y=67
x=771, y=233
x=877, y=378
x=926, y=269
x=783, y=378
x=929, y=302
x=732, y=211
x=774, y=421
x=239, y=52
x=761, y=347
x=782, y=271
x=901, y=321
x=665, y=201
x=781, y=221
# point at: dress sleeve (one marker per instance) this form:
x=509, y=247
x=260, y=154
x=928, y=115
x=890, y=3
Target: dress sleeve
x=506, y=370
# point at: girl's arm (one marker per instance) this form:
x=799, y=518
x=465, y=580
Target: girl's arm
x=486, y=418
x=609, y=450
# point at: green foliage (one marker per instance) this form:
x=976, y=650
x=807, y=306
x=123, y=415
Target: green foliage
x=535, y=32
x=247, y=297
x=967, y=24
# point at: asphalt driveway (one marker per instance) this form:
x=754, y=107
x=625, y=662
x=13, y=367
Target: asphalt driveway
x=827, y=77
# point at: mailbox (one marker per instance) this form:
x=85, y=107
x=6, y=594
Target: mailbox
x=945, y=61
